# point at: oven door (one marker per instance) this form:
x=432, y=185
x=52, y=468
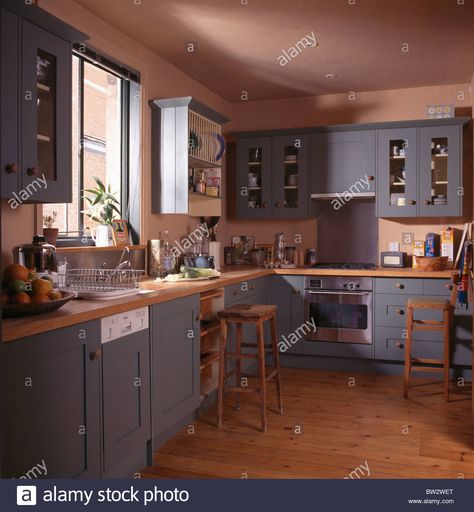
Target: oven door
x=340, y=316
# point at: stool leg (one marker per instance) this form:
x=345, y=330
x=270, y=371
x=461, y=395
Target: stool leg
x=238, y=349
x=222, y=370
x=276, y=360
x=446, y=342
x=408, y=345
x=262, y=374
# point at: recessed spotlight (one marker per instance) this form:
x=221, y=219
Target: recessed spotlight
x=331, y=76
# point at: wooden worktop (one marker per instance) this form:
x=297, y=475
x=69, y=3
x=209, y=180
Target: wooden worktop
x=77, y=311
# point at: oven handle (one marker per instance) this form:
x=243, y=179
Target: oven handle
x=336, y=293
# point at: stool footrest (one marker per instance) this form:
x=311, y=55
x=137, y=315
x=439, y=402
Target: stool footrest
x=245, y=389
x=240, y=355
x=424, y=360
x=428, y=325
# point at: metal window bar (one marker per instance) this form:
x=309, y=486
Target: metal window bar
x=101, y=280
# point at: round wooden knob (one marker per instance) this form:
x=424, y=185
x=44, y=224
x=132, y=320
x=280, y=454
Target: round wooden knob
x=400, y=286
x=95, y=355
x=427, y=202
x=235, y=292
x=449, y=286
x=411, y=201
x=11, y=168
x=371, y=178
x=252, y=287
x=32, y=171
x=400, y=311
x=264, y=205
x=399, y=344
x=279, y=205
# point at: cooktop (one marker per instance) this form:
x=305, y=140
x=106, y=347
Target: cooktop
x=345, y=266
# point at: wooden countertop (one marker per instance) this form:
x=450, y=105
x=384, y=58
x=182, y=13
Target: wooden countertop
x=78, y=311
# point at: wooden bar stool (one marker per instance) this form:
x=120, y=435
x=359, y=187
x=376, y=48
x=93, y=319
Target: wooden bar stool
x=427, y=364
x=255, y=314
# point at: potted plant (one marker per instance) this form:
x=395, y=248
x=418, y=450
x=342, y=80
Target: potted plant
x=103, y=206
x=49, y=232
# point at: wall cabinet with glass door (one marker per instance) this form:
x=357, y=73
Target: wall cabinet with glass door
x=36, y=93
x=272, y=177
x=420, y=171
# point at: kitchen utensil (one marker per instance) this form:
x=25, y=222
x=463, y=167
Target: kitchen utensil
x=38, y=255
x=290, y=255
x=255, y=155
x=292, y=180
x=258, y=257
x=229, y=255
x=101, y=235
x=15, y=310
x=221, y=141
x=199, y=261
x=253, y=179
x=215, y=253
x=280, y=244
x=431, y=263
x=310, y=256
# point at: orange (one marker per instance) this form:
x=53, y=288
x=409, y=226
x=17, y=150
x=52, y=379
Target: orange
x=16, y=271
x=55, y=295
x=41, y=286
x=39, y=298
x=21, y=298
x=32, y=275
x=17, y=286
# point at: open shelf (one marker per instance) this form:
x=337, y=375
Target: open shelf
x=43, y=138
x=199, y=163
x=209, y=328
x=192, y=193
x=255, y=163
x=290, y=162
x=397, y=157
x=208, y=359
x=43, y=87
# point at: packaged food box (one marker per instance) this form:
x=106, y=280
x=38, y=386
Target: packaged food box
x=447, y=244
x=418, y=250
x=432, y=245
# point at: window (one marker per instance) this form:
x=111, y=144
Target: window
x=105, y=119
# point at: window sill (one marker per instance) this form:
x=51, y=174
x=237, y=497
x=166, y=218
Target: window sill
x=93, y=248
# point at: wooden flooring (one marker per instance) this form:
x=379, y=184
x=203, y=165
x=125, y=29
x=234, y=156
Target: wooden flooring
x=329, y=429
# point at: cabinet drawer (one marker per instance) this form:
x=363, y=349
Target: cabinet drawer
x=390, y=311
x=240, y=291
x=390, y=345
x=399, y=286
x=436, y=287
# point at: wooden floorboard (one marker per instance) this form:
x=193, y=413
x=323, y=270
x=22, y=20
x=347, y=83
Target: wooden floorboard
x=332, y=425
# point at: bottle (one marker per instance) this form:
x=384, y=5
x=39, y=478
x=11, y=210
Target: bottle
x=166, y=256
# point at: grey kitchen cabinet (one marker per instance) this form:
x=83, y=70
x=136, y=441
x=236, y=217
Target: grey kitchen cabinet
x=51, y=413
x=239, y=292
x=343, y=161
x=126, y=404
x=36, y=91
x=286, y=292
x=391, y=295
x=254, y=178
x=272, y=177
x=175, y=341
x=419, y=171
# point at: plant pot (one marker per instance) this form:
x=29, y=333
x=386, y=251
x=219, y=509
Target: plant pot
x=102, y=235
x=51, y=235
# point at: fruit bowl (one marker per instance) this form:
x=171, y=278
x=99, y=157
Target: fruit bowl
x=13, y=310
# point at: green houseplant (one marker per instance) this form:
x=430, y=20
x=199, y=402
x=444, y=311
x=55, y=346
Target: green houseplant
x=103, y=205
x=50, y=232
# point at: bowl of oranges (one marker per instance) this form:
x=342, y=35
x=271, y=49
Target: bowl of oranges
x=25, y=293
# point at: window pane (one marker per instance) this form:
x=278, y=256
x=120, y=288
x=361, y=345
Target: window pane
x=102, y=130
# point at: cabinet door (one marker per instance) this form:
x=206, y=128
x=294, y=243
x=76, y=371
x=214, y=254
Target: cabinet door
x=9, y=103
x=51, y=412
x=397, y=172
x=126, y=404
x=175, y=361
x=290, y=176
x=440, y=171
x=254, y=178
x=46, y=75
x=343, y=161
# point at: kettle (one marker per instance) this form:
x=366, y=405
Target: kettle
x=38, y=255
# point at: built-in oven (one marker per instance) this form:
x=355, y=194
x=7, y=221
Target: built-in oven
x=339, y=308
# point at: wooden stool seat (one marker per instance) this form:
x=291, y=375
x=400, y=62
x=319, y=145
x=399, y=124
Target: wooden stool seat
x=248, y=314
x=446, y=308
x=248, y=311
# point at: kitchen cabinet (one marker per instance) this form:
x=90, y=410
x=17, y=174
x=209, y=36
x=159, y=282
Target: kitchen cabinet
x=36, y=92
x=286, y=292
x=51, y=413
x=175, y=339
x=272, y=177
x=343, y=161
x=126, y=402
x=419, y=172
x=391, y=296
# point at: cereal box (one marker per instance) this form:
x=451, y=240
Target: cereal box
x=447, y=244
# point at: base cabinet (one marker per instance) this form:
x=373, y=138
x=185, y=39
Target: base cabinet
x=51, y=412
x=126, y=404
x=175, y=340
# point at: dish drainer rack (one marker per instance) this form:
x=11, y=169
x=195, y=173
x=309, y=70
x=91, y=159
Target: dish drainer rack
x=101, y=283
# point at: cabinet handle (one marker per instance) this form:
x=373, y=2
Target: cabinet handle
x=427, y=202
x=370, y=178
x=235, y=292
x=197, y=318
x=11, y=168
x=411, y=201
x=279, y=205
x=264, y=205
x=400, y=311
x=399, y=344
x=449, y=286
x=400, y=286
x=32, y=171
x=95, y=355
x=252, y=287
